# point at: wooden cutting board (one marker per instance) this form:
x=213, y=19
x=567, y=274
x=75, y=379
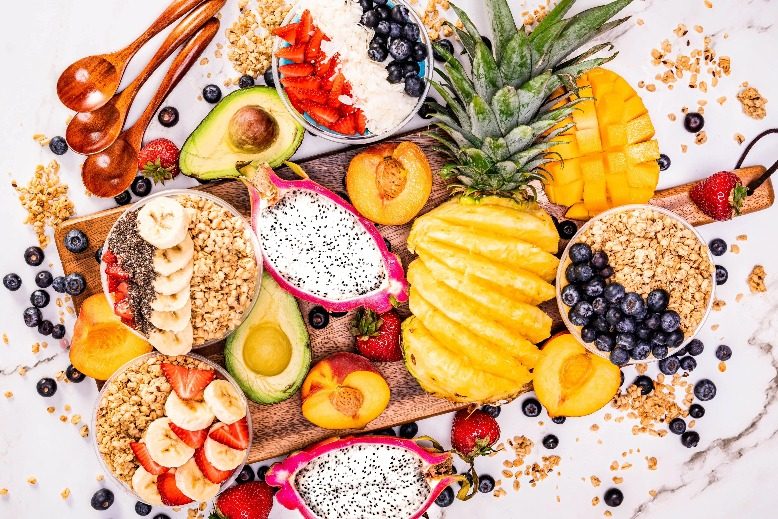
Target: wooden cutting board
x=281, y=428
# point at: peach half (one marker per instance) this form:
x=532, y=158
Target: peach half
x=344, y=391
x=389, y=183
x=569, y=380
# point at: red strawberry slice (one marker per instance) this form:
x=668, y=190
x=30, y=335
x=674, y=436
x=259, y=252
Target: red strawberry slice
x=303, y=83
x=144, y=458
x=323, y=115
x=313, y=50
x=235, y=435
x=123, y=310
x=361, y=122
x=113, y=283
x=296, y=70
x=346, y=125
x=109, y=257
x=304, y=27
x=169, y=492
x=287, y=32
x=338, y=83
x=294, y=53
x=187, y=383
x=194, y=439
x=301, y=105
x=115, y=271
x=316, y=96
x=211, y=473
x=122, y=289
x=325, y=69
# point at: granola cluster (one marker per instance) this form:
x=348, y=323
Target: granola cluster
x=250, y=42
x=46, y=200
x=753, y=103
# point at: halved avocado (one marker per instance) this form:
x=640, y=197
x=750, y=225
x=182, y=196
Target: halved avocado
x=269, y=354
x=250, y=124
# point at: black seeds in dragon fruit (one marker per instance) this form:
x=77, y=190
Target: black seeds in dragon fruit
x=320, y=247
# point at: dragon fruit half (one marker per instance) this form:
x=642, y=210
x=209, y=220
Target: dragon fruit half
x=318, y=248
x=368, y=476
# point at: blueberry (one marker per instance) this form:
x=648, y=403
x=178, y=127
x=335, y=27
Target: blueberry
x=717, y=247
x=168, y=116
x=268, y=78
x=567, y=229
x=32, y=316
x=492, y=410
x=721, y=275
x=76, y=241
x=410, y=68
x=599, y=305
x=613, y=316
x=604, y=342
x=246, y=474
x=261, y=471
x=341, y=314
x=58, y=145
x=626, y=325
x=379, y=54
x=641, y=315
x=142, y=508
x=705, y=390
x=411, y=32
x=723, y=352
x=690, y=439
x=644, y=383
x=385, y=432
x=606, y=272
x=632, y=304
x=102, y=499
x=613, y=497
x=446, y=498
x=677, y=426
x=688, y=363
x=600, y=324
x=74, y=375
x=46, y=387
x=659, y=351
x=588, y=334
x=99, y=254
x=395, y=30
x=246, y=81
x=657, y=300
x=161, y=516
x=599, y=260
x=33, y=256
x=641, y=350
x=419, y=52
x=594, y=287
x=400, y=49
x=370, y=18
x=643, y=332
x=570, y=275
x=625, y=340
x=580, y=253
x=58, y=284
x=669, y=365
x=614, y=293
x=123, y=198
x=559, y=419
x=674, y=339
x=663, y=161
x=75, y=284
x=653, y=321
x=670, y=321
x=446, y=45
x=550, y=441
x=427, y=109
x=414, y=86
x=12, y=282
x=696, y=411
x=379, y=40
x=383, y=12
x=530, y=407
x=400, y=14
x=58, y=331
x=583, y=309
x=570, y=295
x=693, y=122
x=212, y=93
x=141, y=186
x=366, y=5
x=410, y=430
x=45, y=327
x=695, y=347
x=383, y=27
x=318, y=318
x=619, y=356
x=44, y=279
x=485, y=483
x=583, y=272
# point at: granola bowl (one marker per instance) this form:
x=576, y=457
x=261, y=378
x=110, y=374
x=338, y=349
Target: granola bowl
x=648, y=248
x=226, y=267
x=131, y=399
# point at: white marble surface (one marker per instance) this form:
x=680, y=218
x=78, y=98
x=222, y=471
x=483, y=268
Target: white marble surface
x=730, y=474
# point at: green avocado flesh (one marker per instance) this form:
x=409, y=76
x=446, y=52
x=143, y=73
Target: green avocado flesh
x=269, y=354
x=250, y=124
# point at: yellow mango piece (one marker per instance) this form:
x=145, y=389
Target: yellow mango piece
x=577, y=212
x=618, y=188
x=585, y=115
x=639, y=129
x=588, y=141
x=566, y=146
x=610, y=110
x=594, y=195
x=614, y=136
x=642, y=151
x=634, y=108
x=615, y=162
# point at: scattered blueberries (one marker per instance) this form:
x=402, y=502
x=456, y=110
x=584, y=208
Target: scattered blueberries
x=619, y=356
x=717, y=247
x=485, y=483
x=99, y=254
x=409, y=430
x=721, y=275
x=657, y=300
x=414, y=86
x=723, y=352
x=168, y=116
x=693, y=122
x=123, y=198
x=76, y=241
x=58, y=331
x=268, y=78
x=446, y=498
x=74, y=375
x=33, y=256
x=212, y=93
x=141, y=186
x=688, y=364
x=645, y=384
x=690, y=439
x=246, y=474
x=559, y=419
x=102, y=499
x=46, y=387
x=32, y=317
x=530, y=407
x=75, y=284
x=12, y=282
x=567, y=229
x=246, y=81
x=44, y=279
x=705, y=390
x=696, y=411
x=318, y=318
x=58, y=145
x=45, y=327
x=261, y=471
x=58, y=284
x=491, y=410
x=550, y=441
x=613, y=497
x=580, y=253
x=663, y=161
x=695, y=347
x=677, y=426
x=142, y=508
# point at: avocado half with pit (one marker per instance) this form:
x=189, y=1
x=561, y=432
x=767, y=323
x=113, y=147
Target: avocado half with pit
x=250, y=124
x=269, y=354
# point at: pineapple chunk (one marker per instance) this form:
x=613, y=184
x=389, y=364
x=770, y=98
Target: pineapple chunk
x=639, y=129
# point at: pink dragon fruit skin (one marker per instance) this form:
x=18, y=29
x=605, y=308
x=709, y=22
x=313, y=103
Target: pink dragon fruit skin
x=265, y=186
x=283, y=474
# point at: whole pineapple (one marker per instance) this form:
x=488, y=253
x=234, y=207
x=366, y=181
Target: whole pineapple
x=497, y=115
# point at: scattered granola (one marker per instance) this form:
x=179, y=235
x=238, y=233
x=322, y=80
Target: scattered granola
x=32, y=480
x=756, y=279
x=45, y=199
x=753, y=103
x=718, y=305
x=734, y=248
x=701, y=64
x=740, y=138
x=434, y=19
x=250, y=43
x=3, y=491
x=658, y=407
x=65, y=493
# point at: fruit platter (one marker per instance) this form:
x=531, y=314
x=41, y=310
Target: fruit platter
x=499, y=228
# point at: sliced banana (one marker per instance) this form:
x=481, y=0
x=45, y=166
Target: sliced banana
x=164, y=446
x=145, y=485
x=175, y=282
x=224, y=401
x=170, y=343
x=191, y=415
x=171, y=303
x=221, y=456
x=163, y=222
x=193, y=484
x=167, y=261
x=174, y=321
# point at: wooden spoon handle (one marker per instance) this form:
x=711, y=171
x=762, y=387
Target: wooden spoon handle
x=180, y=66
x=174, y=11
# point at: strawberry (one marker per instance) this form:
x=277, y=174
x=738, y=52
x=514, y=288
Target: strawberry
x=187, y=383
x=158, y=160
x=378, y=337
x=304, y=27
x=316, y=96
x=169, y=492
x=345, y=125
x=474, y=433
x=287, y=32
x=109, y=258
x=144, y=458
x=235, y=435
x=338, y=84
x=211, y=473
x=303, y=83
x=294, y=53
x=252, y=500
x=296, y=70
x=313, y=50
x=325, y=69
x=194, y=439
x=123, y=310
x=115, y=271
x=361, y=122
x=120, y=294
x=719, y=195
x=323, y=115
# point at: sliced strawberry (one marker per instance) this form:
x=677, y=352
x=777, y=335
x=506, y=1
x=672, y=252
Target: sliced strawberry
x=211, y=473
x=113, y=283
x=346, y=125
x=317, y=96
x=187, y=383
x=109, y=257
x=114, y=270
x=325, y=69
x=294, y=53
x=313, y=50
x=169, y=492
x=123, y=310
x=361, y=122
x=301, y=105
x=144, y=458
x=303, y=83
x=194, y=439
x=129, y=322
x=287, y=32
x=235, y=435
x=304, y=27
x=120, y=294
x=296, y=70
x=323, y=115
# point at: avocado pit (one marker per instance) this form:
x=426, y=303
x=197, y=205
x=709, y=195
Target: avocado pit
x=252, y=129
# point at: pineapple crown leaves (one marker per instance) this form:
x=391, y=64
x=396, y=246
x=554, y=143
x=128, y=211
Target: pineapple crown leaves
x=366, y=323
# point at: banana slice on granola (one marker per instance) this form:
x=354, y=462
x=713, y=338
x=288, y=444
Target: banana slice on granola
x=172, y=343
x=167, y=261
x=175, y=282
x=164, y=446
x=174, y=320
x=145, y=485
x=192, y=415
x=172, y=302
x=193, y=484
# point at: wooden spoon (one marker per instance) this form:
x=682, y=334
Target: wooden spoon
x=111, y=171
x=90, y=82
x=92, y=132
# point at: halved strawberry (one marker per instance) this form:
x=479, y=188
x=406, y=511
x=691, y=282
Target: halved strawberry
x=169, y=492
x=304, y=83
x=313, y=50
x=361, y=121
x=144, y=458
x=235, y=435
x=323, y=115
x=123, y=310
x=294, y=53
x=210, y=472
x=194, y=439
x=296, y=70
x=187, y=383
x=114, y=270
x=317, y=96
x=287, y=32
x=346, y=125
x=120, y=294
x=304, y=27
x=109, y=257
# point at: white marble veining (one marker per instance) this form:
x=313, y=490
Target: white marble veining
x=730, y=474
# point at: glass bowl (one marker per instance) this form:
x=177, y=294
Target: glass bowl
x=221, y=373
x=561, y=281
x=426, y=69
x=220, y=202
